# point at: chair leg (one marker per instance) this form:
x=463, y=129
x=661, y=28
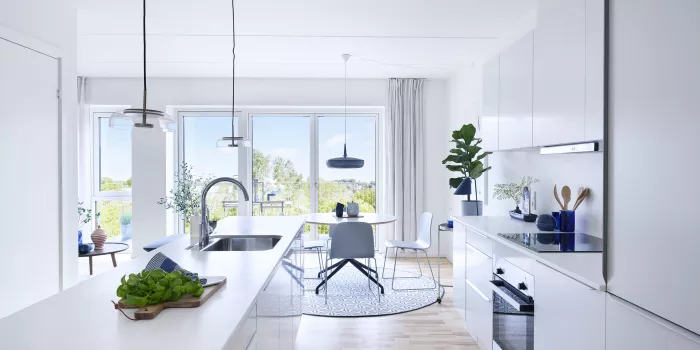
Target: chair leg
x=325, y=288
x=386, y=252
x=418, y=260
x=379, y=294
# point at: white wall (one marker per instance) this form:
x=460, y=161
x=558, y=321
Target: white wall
x=54, y=22
x=270, y=92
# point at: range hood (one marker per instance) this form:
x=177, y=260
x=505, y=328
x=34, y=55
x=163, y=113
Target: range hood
x=584, y=147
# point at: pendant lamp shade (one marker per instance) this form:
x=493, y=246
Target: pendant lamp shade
x=345, y=162
x=142, y=117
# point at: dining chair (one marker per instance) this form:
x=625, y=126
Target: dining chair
x=350, y=240
x=425, y=226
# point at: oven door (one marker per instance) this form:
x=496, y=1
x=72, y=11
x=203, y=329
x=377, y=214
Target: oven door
x=513, y=317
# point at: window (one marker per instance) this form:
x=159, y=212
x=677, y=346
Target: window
x=111, y=175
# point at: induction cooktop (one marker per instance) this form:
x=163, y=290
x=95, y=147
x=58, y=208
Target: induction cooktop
x=556, y=242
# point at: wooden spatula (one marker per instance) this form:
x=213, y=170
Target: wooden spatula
x=581, y=198
x=556, y=196
x=566, y=195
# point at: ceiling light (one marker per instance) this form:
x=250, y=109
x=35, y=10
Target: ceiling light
x=142, y=117
x=345, y=162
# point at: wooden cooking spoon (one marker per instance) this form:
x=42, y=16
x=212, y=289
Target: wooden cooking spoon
x=556, y=196
x=581, y=198
x=566, y=195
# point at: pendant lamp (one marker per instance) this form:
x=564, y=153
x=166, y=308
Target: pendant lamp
x=233, y=140
x=142, y=117
x=345, y=162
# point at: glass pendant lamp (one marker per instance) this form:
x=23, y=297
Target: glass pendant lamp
x=142, y=117
x=345, y=162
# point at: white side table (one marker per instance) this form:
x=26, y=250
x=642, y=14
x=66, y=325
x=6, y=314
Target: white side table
x=441, y=228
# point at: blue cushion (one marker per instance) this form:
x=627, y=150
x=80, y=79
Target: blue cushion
x=160, y=242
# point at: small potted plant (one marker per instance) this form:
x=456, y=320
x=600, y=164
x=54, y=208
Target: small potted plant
x=465, y=159
x=515, y=192
x=125, y=221
x=185, y=198
x=84, y=217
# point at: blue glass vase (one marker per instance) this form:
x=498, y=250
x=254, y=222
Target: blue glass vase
x=567, y=221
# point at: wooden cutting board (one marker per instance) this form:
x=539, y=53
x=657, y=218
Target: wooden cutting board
x=150, y=312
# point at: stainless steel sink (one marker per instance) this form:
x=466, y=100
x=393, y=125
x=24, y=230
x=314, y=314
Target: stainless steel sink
x=241, y=243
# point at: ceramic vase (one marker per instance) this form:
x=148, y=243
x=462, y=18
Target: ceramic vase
x=353, y=209
x=99, y=237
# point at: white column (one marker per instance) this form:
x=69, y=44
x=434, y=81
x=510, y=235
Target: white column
x=149, y=165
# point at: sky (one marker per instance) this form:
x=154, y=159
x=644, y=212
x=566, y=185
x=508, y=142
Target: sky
x=284, y=136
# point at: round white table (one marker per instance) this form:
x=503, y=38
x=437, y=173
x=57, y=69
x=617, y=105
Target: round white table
x=330, y=219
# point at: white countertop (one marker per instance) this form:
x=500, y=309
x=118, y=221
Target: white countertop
x=584, y=267
x=83, y=317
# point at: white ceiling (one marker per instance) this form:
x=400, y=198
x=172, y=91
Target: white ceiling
x=292, y=38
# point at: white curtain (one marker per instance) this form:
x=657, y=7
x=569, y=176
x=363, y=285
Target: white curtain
x=84, y=145
x=404, y=158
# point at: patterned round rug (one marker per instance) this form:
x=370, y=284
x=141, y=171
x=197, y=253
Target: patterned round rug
x=350, y=296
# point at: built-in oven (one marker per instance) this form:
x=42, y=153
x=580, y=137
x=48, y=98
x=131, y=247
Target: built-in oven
x=513, y=307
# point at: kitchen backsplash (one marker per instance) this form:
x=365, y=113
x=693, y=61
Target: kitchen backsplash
x=574, y=170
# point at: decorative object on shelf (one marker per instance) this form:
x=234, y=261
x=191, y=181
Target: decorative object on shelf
x=556, y=196
x=567, y=221
x=353, y=209
x=339, y=209
x=230, y=141
x=99, y=237
x=345, y=162
x=84, y=217
x=185, y=198
x=142, y=117
x=546, y=222
x=465, y=159
x=125, y=226
x=520, y=194
x=85, y=248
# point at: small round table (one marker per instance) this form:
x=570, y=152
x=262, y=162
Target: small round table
x=441, y=228
x=330, y=219
x=109, y=248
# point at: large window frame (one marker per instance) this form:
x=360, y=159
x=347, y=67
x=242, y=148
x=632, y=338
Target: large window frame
x=97, y=195
x=245, y=115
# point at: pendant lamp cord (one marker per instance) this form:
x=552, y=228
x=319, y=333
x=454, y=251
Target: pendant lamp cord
x=345, y=144
x=145, y=89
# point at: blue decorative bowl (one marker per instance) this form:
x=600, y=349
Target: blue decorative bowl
x=546, y=222
x=85, y=248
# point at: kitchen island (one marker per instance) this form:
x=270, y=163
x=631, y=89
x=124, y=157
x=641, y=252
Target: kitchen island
x=249, y=308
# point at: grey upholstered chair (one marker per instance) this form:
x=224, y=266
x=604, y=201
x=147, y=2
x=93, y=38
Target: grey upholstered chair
x=350, y=240
x=425, y=226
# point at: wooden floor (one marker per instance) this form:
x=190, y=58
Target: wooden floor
x=434, y=327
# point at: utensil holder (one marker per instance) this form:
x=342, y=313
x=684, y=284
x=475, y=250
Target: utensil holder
x=567, y=221
x=557, y=219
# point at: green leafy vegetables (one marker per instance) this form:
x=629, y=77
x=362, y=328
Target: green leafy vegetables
x=157, y=286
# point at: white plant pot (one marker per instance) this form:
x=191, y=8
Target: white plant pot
x=195, y=221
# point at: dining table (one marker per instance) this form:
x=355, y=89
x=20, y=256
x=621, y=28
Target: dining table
x=330, y=219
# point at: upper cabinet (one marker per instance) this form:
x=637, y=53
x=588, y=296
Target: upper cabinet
x=559, y=103
x=548, y=88
x=488, y=122
x=515, y=98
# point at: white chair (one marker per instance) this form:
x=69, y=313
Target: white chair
x=425, y=226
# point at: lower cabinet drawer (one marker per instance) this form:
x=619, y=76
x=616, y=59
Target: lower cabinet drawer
x=480, y=242
x=479, y=316
x=479, y=268
x=246, y=333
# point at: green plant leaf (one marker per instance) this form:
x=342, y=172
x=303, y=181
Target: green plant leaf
x=467, y=132
x=450, y=158
x=473, y=150
x=456, y=151
x=454, y=168
x=456, y=181
x=476, y=171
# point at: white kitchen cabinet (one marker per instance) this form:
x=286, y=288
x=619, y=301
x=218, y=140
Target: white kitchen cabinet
x=568, y=314
x=559, y=76
x=515, y=97
x=459, y=239
x=595, y=69
x=479, y=315
x=488, y=121
x=629, y=327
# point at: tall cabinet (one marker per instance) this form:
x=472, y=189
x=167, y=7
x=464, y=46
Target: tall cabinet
x=488, y=121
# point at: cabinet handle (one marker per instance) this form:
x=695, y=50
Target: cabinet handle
x=469, y=246
x=478, y=233
x=472, y=286
x=565, y=275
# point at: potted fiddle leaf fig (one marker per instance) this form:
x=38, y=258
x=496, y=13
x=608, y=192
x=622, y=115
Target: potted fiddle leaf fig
x=465, y=159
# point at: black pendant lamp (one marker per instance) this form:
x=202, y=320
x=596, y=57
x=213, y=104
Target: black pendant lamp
x=345, y=162
x=142, y=117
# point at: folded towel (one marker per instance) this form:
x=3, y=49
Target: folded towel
x=160, y=261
